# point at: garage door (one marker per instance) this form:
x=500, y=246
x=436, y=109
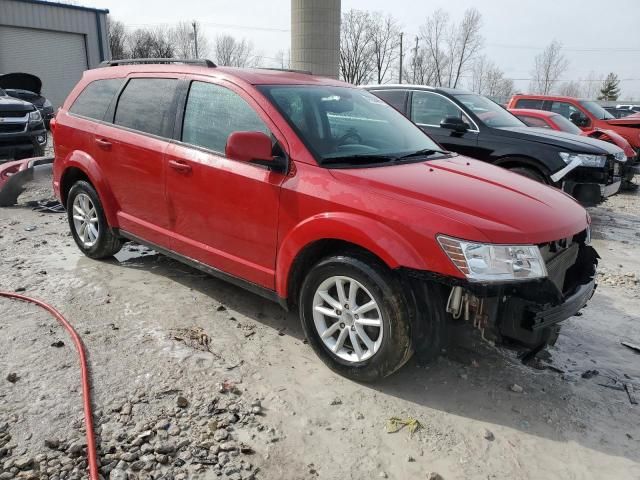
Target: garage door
x=58, y=58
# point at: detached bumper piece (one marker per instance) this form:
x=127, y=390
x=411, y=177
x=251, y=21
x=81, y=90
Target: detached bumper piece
x=14, y=175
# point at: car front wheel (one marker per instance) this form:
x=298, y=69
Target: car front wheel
x=355, y=317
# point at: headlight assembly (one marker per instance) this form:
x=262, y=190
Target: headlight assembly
x=46, y=103
x=486, y=262
x=596, y=161
x=35, y=116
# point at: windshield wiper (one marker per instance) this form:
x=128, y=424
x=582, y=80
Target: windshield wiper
x=361, y=158
x=425, y=152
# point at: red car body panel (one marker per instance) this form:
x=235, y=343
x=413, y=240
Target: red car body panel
x=253, y=223
x=605, y=135
x=628, y=128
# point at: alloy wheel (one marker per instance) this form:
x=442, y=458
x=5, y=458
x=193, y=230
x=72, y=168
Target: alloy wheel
x=85, y=220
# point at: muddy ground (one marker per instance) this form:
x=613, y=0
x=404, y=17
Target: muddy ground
x=142, y=317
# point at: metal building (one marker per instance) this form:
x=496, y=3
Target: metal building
x=315, y=36
x=54, y=41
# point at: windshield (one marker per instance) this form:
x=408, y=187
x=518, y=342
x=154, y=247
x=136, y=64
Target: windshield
x=348, y=126
x=491, y=114
x=596, y=110
x=565, y=125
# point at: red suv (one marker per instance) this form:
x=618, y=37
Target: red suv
x=319, y=195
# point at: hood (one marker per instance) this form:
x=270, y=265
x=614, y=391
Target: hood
x=611, y=136
x=556, y=138
x=37, y=100
x=21, y=81
x=628, y=121
x=10, y=104
x=503, y=206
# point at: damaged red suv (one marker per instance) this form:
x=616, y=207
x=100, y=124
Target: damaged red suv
x=319, y=195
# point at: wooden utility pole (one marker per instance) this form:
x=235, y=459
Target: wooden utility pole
x=415, y=60
x=400, y=76
x=195, y=37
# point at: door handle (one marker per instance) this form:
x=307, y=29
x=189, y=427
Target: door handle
x=103, y=144
x=180, y=166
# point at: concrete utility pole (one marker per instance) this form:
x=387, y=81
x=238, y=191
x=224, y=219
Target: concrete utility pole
x=195, y=37
x=315, y=36
x=400, y=76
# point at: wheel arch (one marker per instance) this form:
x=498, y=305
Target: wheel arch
x=329, y=234
x=510, y=161
x=80, y=166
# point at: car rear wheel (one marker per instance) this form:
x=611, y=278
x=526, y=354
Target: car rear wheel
x=88, y=223
x=529, y=173
x=355, y=317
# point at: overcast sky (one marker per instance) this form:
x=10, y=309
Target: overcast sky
x=598, y=36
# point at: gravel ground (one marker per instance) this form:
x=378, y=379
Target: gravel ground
x=195, y=378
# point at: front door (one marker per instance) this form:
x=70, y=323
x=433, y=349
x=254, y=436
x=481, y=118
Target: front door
x=428, y=109
x=222, y=212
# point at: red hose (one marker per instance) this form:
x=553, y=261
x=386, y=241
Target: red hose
x=86, y=393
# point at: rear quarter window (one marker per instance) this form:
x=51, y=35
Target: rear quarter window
x=146, y=105
x=396, y=98
x=94, y=100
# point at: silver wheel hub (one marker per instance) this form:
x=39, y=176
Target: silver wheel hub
x=85, y=220
x=347, y=319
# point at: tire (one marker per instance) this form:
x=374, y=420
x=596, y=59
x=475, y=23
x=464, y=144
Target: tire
x=529, y=173
x=389, y=344
x=97, y=242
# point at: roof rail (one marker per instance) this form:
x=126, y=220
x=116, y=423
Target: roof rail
x=292, y=70
x=132, y=61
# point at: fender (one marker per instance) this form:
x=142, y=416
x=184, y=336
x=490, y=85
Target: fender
x=524, y=160
x=84, y=162
x=365, y=232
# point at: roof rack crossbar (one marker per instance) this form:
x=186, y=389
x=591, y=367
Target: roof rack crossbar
x=133, y=61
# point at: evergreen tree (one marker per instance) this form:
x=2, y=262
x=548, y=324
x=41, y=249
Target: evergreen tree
x=610, y=88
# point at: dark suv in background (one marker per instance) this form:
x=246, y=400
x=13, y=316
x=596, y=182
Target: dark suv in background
x=22, y=132
x=28, y=87
x=475, y=126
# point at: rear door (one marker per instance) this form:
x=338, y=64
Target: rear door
x=428, y=109
x=132, y=152
x=223, y=212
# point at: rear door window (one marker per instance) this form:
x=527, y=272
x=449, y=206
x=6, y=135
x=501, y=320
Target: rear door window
x=396, y=98
x=534, y=104
x=94, y=100
x=146, y=105
x=213, y=113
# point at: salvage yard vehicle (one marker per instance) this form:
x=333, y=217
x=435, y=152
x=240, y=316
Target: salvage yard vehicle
x=555, y=121
x=473, y=125
x=28, y=87
x=22, y=132
x=320, y=196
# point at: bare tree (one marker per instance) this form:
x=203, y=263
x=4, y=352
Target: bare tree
x=591, y=88
x=185, y=39
x=466, y=43
x=117, y=39
x=571, y=88
x=235, y=53
x=357, y=64
x=385, y=42
x=548, y=67
x=419, y=69
x=151, y=43
x=283, y=59
x=433, y=34
x=488, y=79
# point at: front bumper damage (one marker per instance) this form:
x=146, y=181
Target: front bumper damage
x=526, y=315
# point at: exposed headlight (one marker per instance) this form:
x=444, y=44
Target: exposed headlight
x=596, y=161
x=35, y=116
x=620, y=157
x=46, y=103
x=486, y=262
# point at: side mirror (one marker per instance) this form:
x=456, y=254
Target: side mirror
x=249, y=147
x=579, y=120
x=454, y=123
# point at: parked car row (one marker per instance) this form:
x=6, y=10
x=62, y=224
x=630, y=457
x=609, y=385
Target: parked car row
x=588, y=169
x=319, y=195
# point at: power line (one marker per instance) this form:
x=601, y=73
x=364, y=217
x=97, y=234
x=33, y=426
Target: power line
x=568, y=49
x=213, y=24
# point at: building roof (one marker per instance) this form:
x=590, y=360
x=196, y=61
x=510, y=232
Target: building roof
x=64, y=5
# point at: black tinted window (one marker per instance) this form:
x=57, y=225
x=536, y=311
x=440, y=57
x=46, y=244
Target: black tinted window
x=529, y=103
x=145, y=105
x=213, y=113
x=95, y=98
x=395, y=98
